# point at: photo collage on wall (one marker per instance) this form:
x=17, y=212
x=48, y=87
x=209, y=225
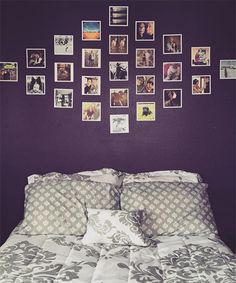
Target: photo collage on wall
x=118, y=70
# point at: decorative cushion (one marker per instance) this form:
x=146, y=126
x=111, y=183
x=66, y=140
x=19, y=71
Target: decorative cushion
x=59, y=207
x=170, y=208
x=114, y=227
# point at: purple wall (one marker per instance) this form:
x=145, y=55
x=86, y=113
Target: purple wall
x=200, y=137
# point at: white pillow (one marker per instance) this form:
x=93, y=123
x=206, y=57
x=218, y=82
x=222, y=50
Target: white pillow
x=114, y=227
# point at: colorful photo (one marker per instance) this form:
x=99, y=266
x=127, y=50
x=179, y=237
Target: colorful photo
x=63, y=45
x=172, y=71
x=118, y=16
x=91, y=111
x=91, y=58
x=63, y=98
x=200, y=56
x=145, y=58
x=36, y=58
x=118, y=71
x=145, y=84
x=144, y=30
x=64, y=72
x=118, y=44
x=201, y=84
x=172, y=43
x=145, y=111
x=172, y=98
x=91, y=85
x=35, y=85
x=119, y=97
x=91, y=30
x=228, y=69
x=119, y=124
x=8, y=71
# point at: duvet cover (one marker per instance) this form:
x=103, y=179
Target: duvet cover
x=172, y=259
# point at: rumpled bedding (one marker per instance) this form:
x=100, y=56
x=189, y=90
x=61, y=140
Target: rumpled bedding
x=170, y=259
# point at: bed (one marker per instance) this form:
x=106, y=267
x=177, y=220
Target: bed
x=106, y=226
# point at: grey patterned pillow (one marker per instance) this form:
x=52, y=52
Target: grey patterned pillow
x=59, y=207
x=170, y=208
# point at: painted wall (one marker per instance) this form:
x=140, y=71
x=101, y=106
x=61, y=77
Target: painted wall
x=200, y=137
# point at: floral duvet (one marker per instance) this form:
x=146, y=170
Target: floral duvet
x=54, y=259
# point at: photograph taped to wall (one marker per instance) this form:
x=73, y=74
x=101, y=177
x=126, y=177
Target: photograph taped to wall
x=91, y=111
x=200, y=56
x=118, y=16
x=63, y=45
x=118, y=71
x=228, y=69
x=172, y=43
x=91, y=58
x=91, y=30
x=145, y=111
x=201, y=84
x=119, y=97
x=172, y=71
x=35, y=85
x=145, y=84
x=119, y=124
x=118, y=44
x=36, y=57
x=144, y=30
x=8, y=72
x=91, y=85
x=145, y=58
x=64, y=72
x=63, y=98
x=172, y=98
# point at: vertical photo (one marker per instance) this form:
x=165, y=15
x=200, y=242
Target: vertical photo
x=118, y=71
x=119, y=124
x=172, y=71
x=200, y=56
x=64, y=72
x=145, y=58
x=119, y=97
x=144, y=30
x=91, y=85
x=8, y=71
x=91, y=111
x=145, y=84
x=145, y=111
x=172, y=43
x=118, y=44
x=63, y=45
x=172, y=98
x=118, y=16
x=35, y=57
x=35, y=85
x=201, y=84
x=91, y=30
x=91, y=58
x=228, y=69
x=63, y=98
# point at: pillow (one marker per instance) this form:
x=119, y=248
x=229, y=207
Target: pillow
x=170, y=208
x=162, y=176
x=59, y=207
x=114, y=227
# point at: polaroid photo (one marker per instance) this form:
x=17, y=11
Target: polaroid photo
x=145, y=57
x=63, y=45
x=91, y=30
x=91, y=111
x=144, y=30
x=119, y=97
x=201, y=84
x=172, y=98
x=145, y=111
x=35, y=85
x=172, y=43
x=91, y=85
x=118, y=16
x=35, y=57
x=63, y=72
x=91, y=58
x=118, y=70
x=200, y=56
x=63, y=98
x=119, y=124
x=8, y=72
x=228, y=69
x=172, y=71
x=145, y=84
x=118, y=44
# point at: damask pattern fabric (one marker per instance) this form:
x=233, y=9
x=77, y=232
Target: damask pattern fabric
x=54, y=259
x=54, y=207
x=114, y=227
x=170, y=208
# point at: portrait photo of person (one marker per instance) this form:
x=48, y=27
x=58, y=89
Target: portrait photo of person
x=200, y=56
x=201, y=84
x=145, y=58
x=36, y=58
x=172, y=43
x=172, y=71
x=145, y=30
x=64, y=72
x=91, y=85
x=91, y=111
x=35, y=85
x=118, y=70
x=172, y=98
x=145, y=84
x=118, y=44
x=91, y=58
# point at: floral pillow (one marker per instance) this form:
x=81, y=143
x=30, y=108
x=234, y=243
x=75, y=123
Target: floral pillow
x=114, y=227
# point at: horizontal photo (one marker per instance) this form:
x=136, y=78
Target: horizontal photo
x=200, y=56
x=228, y=69
x=119, y=124
x=201, y=84
x=145, y=111
x=63, y=98
x=35, y=57
x=118, y=44
x=35, y=85
x=172, y=43
x=63, y=45
x=91, y=30
x=172, y=98
x=144, y=30
x=91, y=111
x=145, y=57
x=91, y=85
x=8, y=71
x=118, y=71
x=64, y=72
x=119, y=97
x=145, y=84
x=172, y=71
x=91, y=58
x=118, y=16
